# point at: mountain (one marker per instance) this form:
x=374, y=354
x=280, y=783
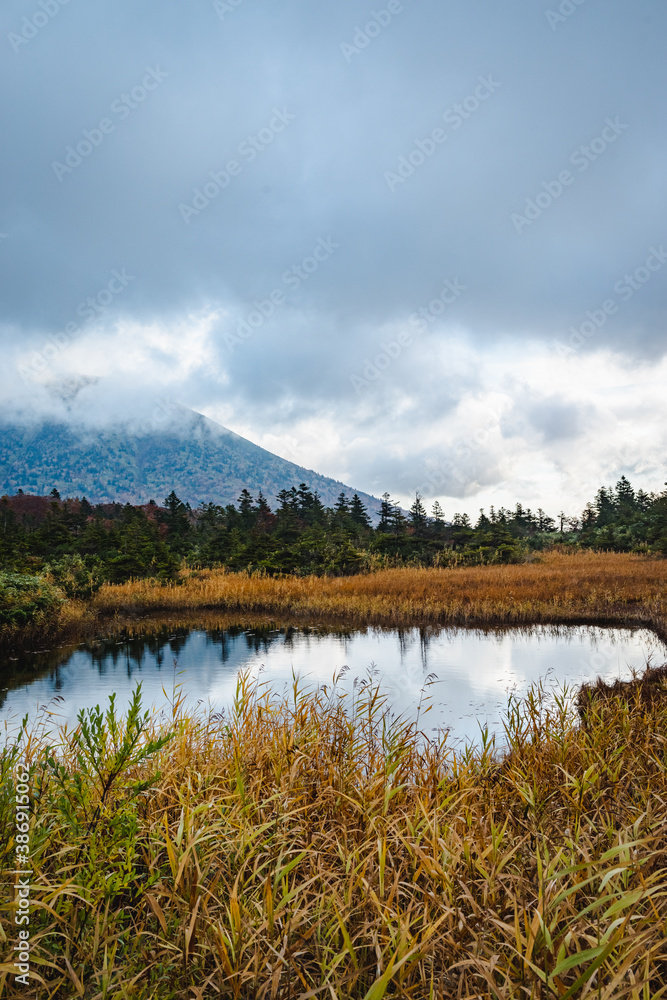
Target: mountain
x=198, y=458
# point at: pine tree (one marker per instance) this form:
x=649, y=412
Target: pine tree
x=624, y=496
x=544, y=522
x=438, y=513
x=358, y=512
x=386, y=513
x=246, y=509
x=483, y=523
x=418, y=516
x=342, y=506
x=262, y=506
x=177, y=515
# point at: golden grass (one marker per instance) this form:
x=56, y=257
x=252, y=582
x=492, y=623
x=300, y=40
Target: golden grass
x=557, y=588
x=300, y=848
x=582, y=586
x=68, y=621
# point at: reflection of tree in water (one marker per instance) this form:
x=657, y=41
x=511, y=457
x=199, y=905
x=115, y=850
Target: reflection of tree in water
x=407, y=638
x=151, y=647
x=24, y=668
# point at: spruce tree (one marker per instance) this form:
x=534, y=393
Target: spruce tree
x=483, y=523
x=386, y=513
x=418, y=516
x=289, y=501
x=358, y=512
x=177, y=515
x=246, y=509
x=342, y=506
x=398, y=521
x=262, y=505
x=544, y=522
x=625, y=498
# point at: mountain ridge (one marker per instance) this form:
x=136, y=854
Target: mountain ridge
x=201, y=460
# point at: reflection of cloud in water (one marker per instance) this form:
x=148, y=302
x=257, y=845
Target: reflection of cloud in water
x=471, y=671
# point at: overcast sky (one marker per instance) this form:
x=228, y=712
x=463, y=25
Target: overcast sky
x=416, y=245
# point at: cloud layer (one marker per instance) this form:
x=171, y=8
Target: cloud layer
x=416, y=245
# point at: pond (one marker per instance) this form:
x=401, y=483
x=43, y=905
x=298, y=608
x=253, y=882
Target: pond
x=467, y=674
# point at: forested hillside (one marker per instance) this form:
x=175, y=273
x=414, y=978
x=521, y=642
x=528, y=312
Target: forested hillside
x=199, y=459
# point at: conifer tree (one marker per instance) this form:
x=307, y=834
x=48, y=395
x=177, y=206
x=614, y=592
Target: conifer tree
x=483, y=523
x=418, y=516
x=262, y=505
x=358, y=512
x=398, y=522
x=386, y=513
x=544, y=522
x=342, y=506
x=289, y=501
x=177, y=515
x=246, y=509
x=624, y=497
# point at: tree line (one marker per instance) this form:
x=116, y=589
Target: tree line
x=83, y=545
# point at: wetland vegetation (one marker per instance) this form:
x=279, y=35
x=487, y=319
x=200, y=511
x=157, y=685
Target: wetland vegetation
x=310, y=845
x=301, y=847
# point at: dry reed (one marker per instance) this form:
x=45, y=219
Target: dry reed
x=560, y=588
x=304, y=847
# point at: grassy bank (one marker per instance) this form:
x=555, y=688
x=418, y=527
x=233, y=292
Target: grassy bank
x=31, y=606
x=582, y=586
x=556, y=588
x=301, y=848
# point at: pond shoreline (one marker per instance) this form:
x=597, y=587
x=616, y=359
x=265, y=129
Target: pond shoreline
x=469, y=665
x=598, y=589
x=90, y=626
x=287, y=819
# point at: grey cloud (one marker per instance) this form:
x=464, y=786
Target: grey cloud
x=326, y=172
x=551, y=419
x=324, y=175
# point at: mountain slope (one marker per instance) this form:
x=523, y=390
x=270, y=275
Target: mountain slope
x=199, y=459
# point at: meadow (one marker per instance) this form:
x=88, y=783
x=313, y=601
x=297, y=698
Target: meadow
x=555, y=587
x=559, y=587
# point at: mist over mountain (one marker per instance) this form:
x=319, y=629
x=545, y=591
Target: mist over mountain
x=124, y=462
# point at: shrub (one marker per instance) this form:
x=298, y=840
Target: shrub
x=25, y=600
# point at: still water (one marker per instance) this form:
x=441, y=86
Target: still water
x=468, y=673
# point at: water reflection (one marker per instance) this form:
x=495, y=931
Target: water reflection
x=469, y=672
